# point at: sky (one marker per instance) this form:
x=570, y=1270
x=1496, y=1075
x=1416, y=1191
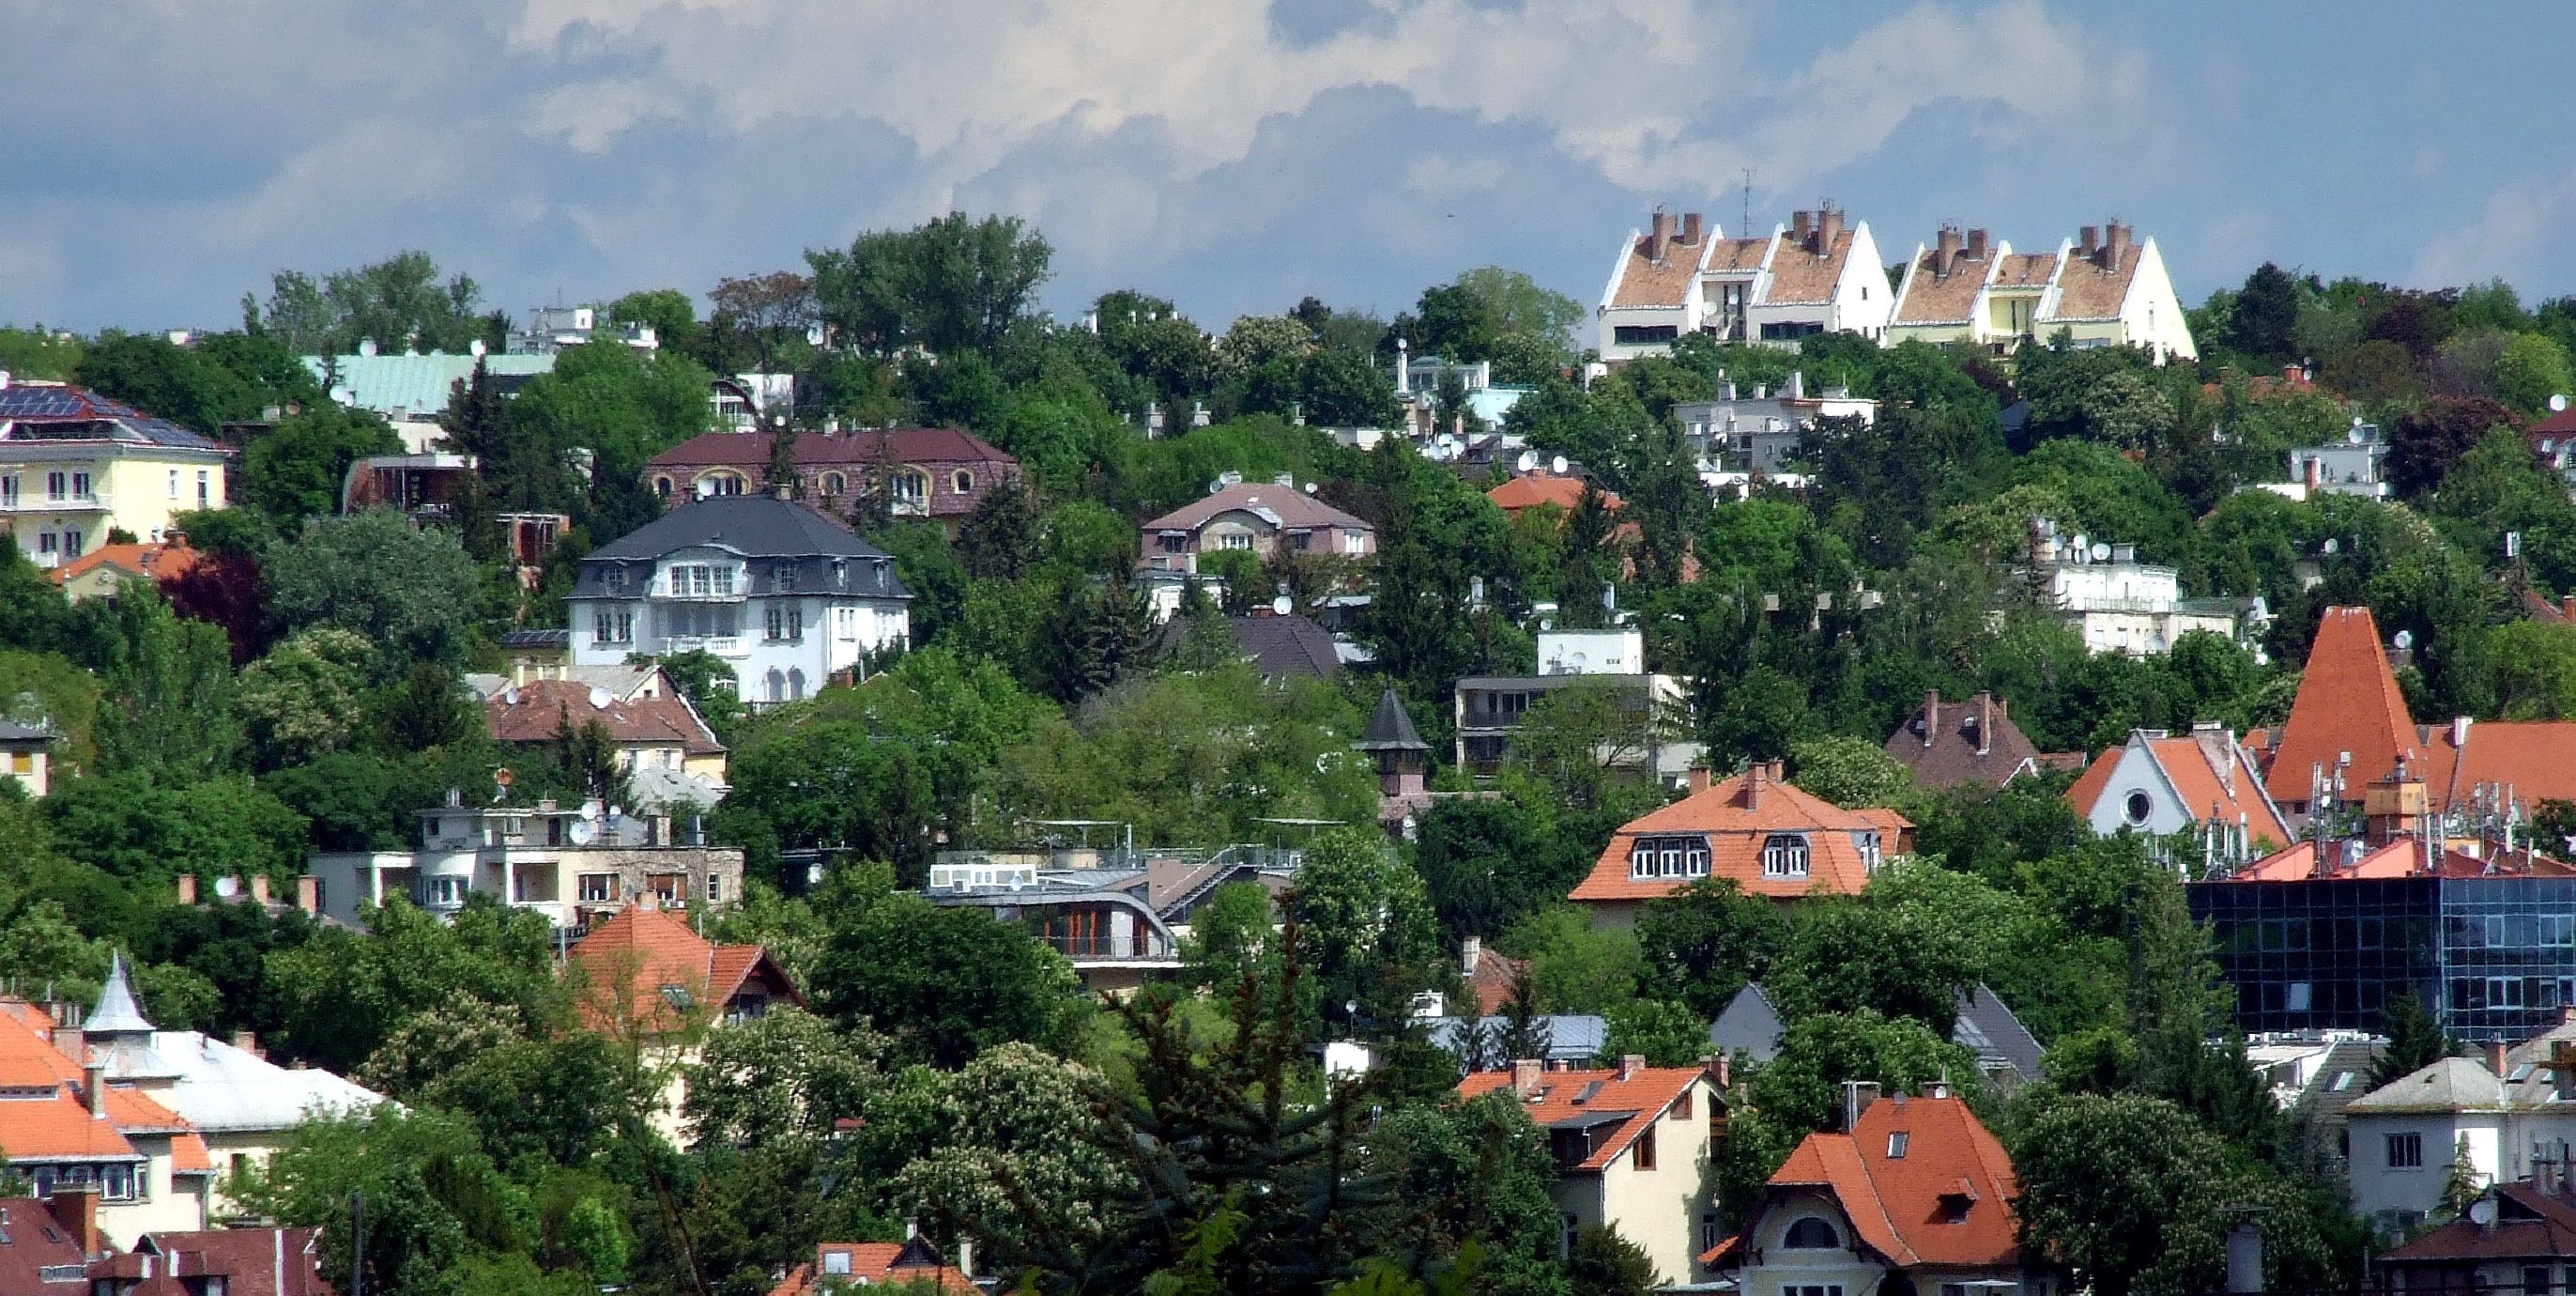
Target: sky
x=160, y=158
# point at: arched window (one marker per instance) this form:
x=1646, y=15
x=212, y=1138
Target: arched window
x=720, y=483
x=964, y=482
x=662, y=487
x=834, y=483
x=1810, y=1233
x=777, y=685
x=911, y=488
x=1784, y=855
x=795, y=683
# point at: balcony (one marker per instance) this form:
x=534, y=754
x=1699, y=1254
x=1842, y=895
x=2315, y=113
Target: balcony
x=39, y=502
x=720, y=645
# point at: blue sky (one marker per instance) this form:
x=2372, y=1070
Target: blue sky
x=163, y=157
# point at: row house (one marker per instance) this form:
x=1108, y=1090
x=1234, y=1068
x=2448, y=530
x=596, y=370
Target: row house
x=2106, y=287
x=935, y=473
x=782, y=595
x=1818, y=274
x=75, y=465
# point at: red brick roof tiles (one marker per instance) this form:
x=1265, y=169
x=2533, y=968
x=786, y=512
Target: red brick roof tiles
x=1800, y=277
x=632, y=956
x=875, y=1264
x=1647, y=283
x=534, y=712
x=1533, y=490
x=1737, y=817
x=1562, y=1095
x=1896, y=1202
x=2347, y=702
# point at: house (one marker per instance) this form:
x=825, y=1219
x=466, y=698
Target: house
x=1488, y=708
x=2492, y=1111
x=1742, y=436
x=423, y=485
x=215, y=1262
x=668, y=752
x=1417, y=388
x=2355, y=466
x=2119, y=604
x=2112, y=290
x=2006, y=1051
x=69, y=1126
x=239, y=1107
x=572, y=863
x=102, y=571
x=1757, y=830
x=1820, y=274
x=1261, y=518
x=2515, y=1237
x=1280, y=647
x=1544, y=489
x=1914, y=1194
x=935, y=473
x=782, y=595
x=877, y=1264
x=1633, y=1146
x=1968, y=289
x=642, y=970
x=1489, y=976
x=1971, y=743
x=27, y=755
x=51, y=1241
x=411, y=390
x=2206, y=782
x=75, y=466
x=1115, y=938
x=2553, y=442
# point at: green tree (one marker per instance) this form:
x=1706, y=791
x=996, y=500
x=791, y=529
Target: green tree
x=944, y=983
x=1605, y=1264
x=1850, y=772
x=2415, y=1039
x=950, y=284
x=301, y=700
x=433, y=1200
x=294, y=471
x=1006, y=1150
x=2266, y=312
x=1708, y=939
x=1802, y=1088
x=1000, y=540
x=1490, y=862
x=1371, y=936
x=373, y=574
x=165, y=701
x=397, y=303
x=344, y=992
x=1480, y=1173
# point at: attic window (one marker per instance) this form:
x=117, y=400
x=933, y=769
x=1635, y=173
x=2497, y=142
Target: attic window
x=1896, y=1140
x=1810, y=1233
x=836, y=1262
x=1784, y=855
x=2342, y=1081
x=678, y=996
x=2521, y=1073
x=2137, y=808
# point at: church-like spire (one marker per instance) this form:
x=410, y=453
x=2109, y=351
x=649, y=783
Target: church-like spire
x=116, y=1013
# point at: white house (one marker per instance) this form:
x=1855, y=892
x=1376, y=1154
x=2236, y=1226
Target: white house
x=2405, y=1135
x=2205, y=782
x=783, y=595
x=570, y=863
x=1819, y=274
x=1740, y=435
x=1633, y=1151
x=2118, y=603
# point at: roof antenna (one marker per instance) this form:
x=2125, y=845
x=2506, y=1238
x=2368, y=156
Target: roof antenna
x=1746, y=229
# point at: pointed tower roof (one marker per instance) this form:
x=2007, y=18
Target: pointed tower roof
x=1390, y=729
x=116, y=1013
x=2347, y=702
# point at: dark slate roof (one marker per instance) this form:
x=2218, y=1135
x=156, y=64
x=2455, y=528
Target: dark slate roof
x=12, y=731
x=1287, y=645
x=776, y=536
x=1391, y=729
x=1571, y=1037
x=1748, y=1024
x=1951, y=743
x=38, y=407
x=1989, y=1028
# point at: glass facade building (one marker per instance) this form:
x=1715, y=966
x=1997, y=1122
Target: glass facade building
x=2494, y=956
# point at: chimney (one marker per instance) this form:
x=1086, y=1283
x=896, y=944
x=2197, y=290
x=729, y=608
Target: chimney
x=2567, y=607
x=1858, y=1095
x=308, y=895
x=1931, y=716
x=259, y=888
x=248, y=1042
x=70, y=1041
x=1797, y=388
x=1630, y=1064
x=1829, y=226
x=1471, y=950
x=1985, y=723
x=75, y=1207
x=1525, y=1074
x=2315, y=475
x=2092, y=242
x=1690, y=228
x=1696, y=778
x=1754, y=777
x=966, y=1256
x=2115, y=244
x=1716, y=1066
x=1945, y=249
x=2459, y=733
x=2495, y=1060
x=94, y=1083
x=519, y=672
x=187, y=888
x=1802, y=227
x=1976, y=245
x=911, y=1227
x=1659, y=235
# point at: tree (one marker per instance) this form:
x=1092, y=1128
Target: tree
x=769, y=313
x=1525, y=1032
x=1343, y=389
x=1371, y=938
x=2415, y=1039
x=397, y=303
x=1515, y=303
x=1904, y=961
x=1006, y=1151
x=344, y=992
x=301, y=700
x=1850, y=772
x=294, y=471
x=2266, y=313
x=951, y=284
x=1478, y=1175
x=1490, y=862
x=1801, y=1089
x=1602, y=1263
x=1708, y=939
x=433, y=1199
x=2423, y=445
x=943, y=983
x=588, y=761
x=165, y=705
x=1230, y=937
x=374, y=574
x=999, y=540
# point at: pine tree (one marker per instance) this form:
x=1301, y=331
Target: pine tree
x=2415, y=1039
x=477, y=423
x=782, y=460
x=1525, y=1034
x=999, y=540
x=587, y=756
x=2464, y=1185
x=1587, y=553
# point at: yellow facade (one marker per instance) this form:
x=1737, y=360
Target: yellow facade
x=60, y=499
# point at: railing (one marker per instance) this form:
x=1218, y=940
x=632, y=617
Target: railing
x=37, y=502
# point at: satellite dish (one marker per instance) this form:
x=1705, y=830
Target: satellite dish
x=2101, y=552
x=2083, y=547
x=2332, y=545
x=1528, y=460
x=1310, y=488
x=1215, y=484
x=2353, y=434
x=616, y=813
x=1557, y=465
x=589, y=810
x=509, y=697
x=503, y=776
x=2403, y=639
x=2482, y=1212
x=1282, y=605
x=475, y=348
x=583, y=833
x=600, y=698
x=2558, y=402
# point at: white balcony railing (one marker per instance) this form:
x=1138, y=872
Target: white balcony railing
x=39, y=502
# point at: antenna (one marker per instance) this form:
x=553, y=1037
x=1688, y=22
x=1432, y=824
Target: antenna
x=1745, y=230
x=1528, y=460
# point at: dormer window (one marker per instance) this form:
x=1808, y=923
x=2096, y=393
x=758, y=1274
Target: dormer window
x=1668, y=857
x=1784, y=855
x=1811, y=1233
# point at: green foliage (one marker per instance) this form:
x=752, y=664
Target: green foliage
x=1850, y=772
x=295, y=470
x=373, y=574
x=147, y=832
x=397, y=303
x=344, y=992
x=1801, y=1089
x=166, y=688
x=1606, y=1264
x=950, y=284
x=1371, y=939
x=1488, y=863
x=1708, y=939
x=943, y=983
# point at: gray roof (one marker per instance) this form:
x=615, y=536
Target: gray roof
x=116, y=1013
x=1571, y=1037
x=1287, y=645
x=1751, y=1024
x=13, y=732
x=1390, y=729
x=2454, y=1084
x=1748, y=1024
x=776, y=535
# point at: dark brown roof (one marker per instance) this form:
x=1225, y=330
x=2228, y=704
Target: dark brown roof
x=1281, y=646
x=750, y=450
x=1950, y=743
x=2529, y=1224
x=251, y=1261
x=535, y=712
x=36, y=1240
x=2025, y=270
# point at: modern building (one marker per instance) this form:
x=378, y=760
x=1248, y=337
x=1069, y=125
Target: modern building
x=784, y=596
x=105, y=569
x=2105, y=288
x=1914, y=1194
x=935, y=473
x=1743, y=436
x=2119, y=604
x=27, y=756
x=411, y=390
x=1633, y=1146
x=1819, y=274
x=575, y=864
x=1756, y=829
x=240, y=1107
x=2205, y=783
x=1488, y=708
x=1114, y=937
x=1968, y=744
x=75, y=466
x=2357, y=465
x=670, y=755
x=1254, y=517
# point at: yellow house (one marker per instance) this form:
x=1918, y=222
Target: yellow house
x=75, y=465
x=2107, y=289
x=26, y=754
x=1633, y=1152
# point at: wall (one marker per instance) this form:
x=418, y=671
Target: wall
x=2152, y=315
x=1659, y=1209
x=2380, y=1193
x=1782, y=1267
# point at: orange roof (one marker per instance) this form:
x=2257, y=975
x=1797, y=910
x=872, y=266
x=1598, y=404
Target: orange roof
x=1492, y=981
x=1643, y=1096
x=874, y=1264
x=2528, y=757
x=643, y=950
x=535, y=712
x=1534, y=490
x=2397, y=858
x=146, y=561
x=2090, y=290
x=2215, y=780
x=1650, y=284
x=1942, y=1198
x=1737, y=817
x=2347, y=702
x=1801, y=277
x=1932, y=298
x=188, y=1155
x=28, y=1057
x=60, y=1128
x=136, y=1114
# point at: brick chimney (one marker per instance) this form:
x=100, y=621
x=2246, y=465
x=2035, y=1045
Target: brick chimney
x=1690, y=228
x=1525, y=1074
x=1802, y=227
x=187, y=888
x=1931, y=716
x=94, y=1088
x=1945, y=249
x=1829, y=226
x=1659, y=235
x=1696, y=778
x=75, y=1207
x=1985, y=722
x=1976, y=245
x=2496, y=1062
x=1755, y=775
x=2115, y=244
x=1717, y=1067
x=308, y=895
x=1630, y=1064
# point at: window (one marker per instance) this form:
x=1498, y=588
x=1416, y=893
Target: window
x=1811, y=1233
x=702, y=580
x=2405, y=1151
x=1668, y=857
x=785, y=577
x=1711, y=1232
x=845, y=622
x=715, y=888
x=786, y=624
x=1237, y=540
x=910, y=487
x=1682, y=1106
x=835, y=483
x=599, y=888
x=836, y=1263
x=1173, y=542
x=662, y=487
x=1644, y=334
x=80, y=485
x=443, y=892
x=54, y=485
x=1642, y=1152
x=613, y=627
x=9, y=491
x=1564, y=1239
x=1784, y=855
x=71, y=543
x=963, y=482
x=2535, y=1280
x=174, y=483
x=2137, y=808
x=720, y=484
x=1896, y=1141
x=1811, y=1289
x=204, y=494
x=47, y=542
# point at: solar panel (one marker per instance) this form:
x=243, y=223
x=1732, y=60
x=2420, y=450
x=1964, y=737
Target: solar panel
x=17, y=401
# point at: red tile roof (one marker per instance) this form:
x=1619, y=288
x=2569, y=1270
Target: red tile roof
x=1492, y=981
x=1643, y=1096
x=1650, y=284
x=1800, y=277
x=2211, y=789
x=252, y=1261
x=38, y=1240
x=2347, y=702
x=1737, y=816
x=2529, y=757
x=2090, y=290
x=1896, y=1204
x=534, y=712
x=143, y=561
x=1533, y=490
x=1951, y=743
x=1293, y=508
x=750, y=450
x=875, y=1264
x=632, y=957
